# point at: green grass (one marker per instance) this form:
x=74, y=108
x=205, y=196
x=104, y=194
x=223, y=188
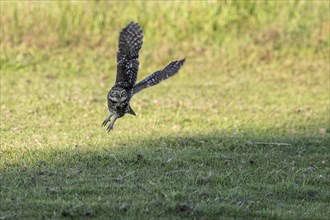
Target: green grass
x=241, y=132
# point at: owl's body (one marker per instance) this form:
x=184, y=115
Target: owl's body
x=119, y=96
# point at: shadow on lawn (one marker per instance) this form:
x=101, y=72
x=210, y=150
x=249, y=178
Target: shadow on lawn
x=172, y=177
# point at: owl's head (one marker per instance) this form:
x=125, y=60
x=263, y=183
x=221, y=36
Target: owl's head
x=118, y=95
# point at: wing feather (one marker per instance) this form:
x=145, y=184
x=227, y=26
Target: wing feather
x=130, y=43
x=158, y=76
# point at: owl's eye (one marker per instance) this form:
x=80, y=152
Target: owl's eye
x=123, y=93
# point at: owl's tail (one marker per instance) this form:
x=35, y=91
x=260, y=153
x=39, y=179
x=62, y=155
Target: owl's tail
x=155, y=78
x=129, y=110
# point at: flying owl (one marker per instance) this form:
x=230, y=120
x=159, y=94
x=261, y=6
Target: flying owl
x=119, y=96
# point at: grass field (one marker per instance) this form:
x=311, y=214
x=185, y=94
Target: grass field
x=242, y=132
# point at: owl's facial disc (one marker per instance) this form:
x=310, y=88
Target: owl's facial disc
x=118, y=96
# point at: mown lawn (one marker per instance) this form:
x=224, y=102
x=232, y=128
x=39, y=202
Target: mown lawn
x=241, y=132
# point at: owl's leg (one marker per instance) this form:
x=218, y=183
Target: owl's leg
x=110, y=127
x=105, y=122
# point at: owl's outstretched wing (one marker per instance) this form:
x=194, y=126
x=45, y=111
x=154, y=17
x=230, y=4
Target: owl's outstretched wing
x=170, y=70
x=130, y=43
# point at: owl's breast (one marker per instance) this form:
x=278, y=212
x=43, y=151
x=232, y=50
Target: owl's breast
x=121, y=110
x=118, y=108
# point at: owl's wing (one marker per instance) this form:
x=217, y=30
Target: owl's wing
x=170, y=70
x=130, y=43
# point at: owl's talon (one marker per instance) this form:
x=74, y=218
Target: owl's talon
x=105, y=122
x=109, y=128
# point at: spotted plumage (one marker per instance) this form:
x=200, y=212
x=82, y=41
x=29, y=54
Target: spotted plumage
x=119, y=96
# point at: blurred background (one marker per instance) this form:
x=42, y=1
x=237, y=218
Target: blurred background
x=252, y=66
x=204, y=24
